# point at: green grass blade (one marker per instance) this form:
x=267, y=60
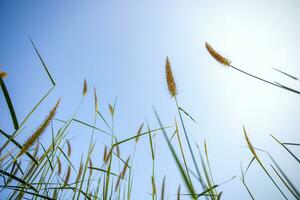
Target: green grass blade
x=9, y=104
x=260, y=163
x=286, y=149
x=181, y=169
x=18, y=179
x=285, y=183
x=43, y=63
x=292, y=144
x=187, y=114
x=103, y=170
x=142, y=134
x=18, y=145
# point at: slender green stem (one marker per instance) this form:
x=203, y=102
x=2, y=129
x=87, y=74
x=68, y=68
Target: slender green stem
x=189, y=144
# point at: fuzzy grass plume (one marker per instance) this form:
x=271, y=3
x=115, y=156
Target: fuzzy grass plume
x=91, y=166
x=125, y=168
x=69, y=148
x=84, y=91
x=59, y=166
x=96, y=100
x=68, y=175
x=139, y=132
x=79, y=172
x=41, y=129
x=3, y=74
x=221, y=59
x=108, y=155
x=111, y=109
x=170, y=79
x=104, y=154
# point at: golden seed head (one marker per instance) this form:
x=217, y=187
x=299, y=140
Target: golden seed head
x=67, y=178
x=91, y=166
x=118, y=183
x=59, y=166
x=250, y=145
x=3, y=74
x=139, y=132
x=170, y=79
x=79, y=172
x=117, y=148
x=31, y=140
x=125, y=168
x=217, y=56
x=108, y=156
x=69, y=148
x=104, y=154
x=84, y=88
x=96, y=100
x=111, y=109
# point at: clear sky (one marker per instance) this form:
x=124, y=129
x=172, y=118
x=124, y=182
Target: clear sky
x=120, y=47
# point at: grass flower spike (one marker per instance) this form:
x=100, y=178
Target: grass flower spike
x=84, y=91
x=170, y=79
x=31, y=140
x=221, y=59
x=3, y=74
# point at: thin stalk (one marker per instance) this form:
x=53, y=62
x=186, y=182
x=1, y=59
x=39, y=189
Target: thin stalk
x=189, y=144
x=263, y=80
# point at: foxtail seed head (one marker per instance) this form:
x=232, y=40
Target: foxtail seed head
x=170, y=79
x=67, y=178
x=69, y=148
x=3, y=74
x=96, y=100
x=84, y=91
x=79, y=172
x=31, y=140
x=221, y=59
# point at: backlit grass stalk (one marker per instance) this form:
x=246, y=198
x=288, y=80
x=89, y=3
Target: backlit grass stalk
x=260, y=163
x=153, y=163
x=182, y=152
x=96, y=108
x=173, y=92
x=226, y=62
x=244, y=183
x=41, y=129
x=180, y=167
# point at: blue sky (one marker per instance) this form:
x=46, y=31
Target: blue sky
x=120, y=47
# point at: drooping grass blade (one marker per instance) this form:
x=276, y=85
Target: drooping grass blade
x=9, y=104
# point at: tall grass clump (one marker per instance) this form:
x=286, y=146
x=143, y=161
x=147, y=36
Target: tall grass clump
x=35, y=169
